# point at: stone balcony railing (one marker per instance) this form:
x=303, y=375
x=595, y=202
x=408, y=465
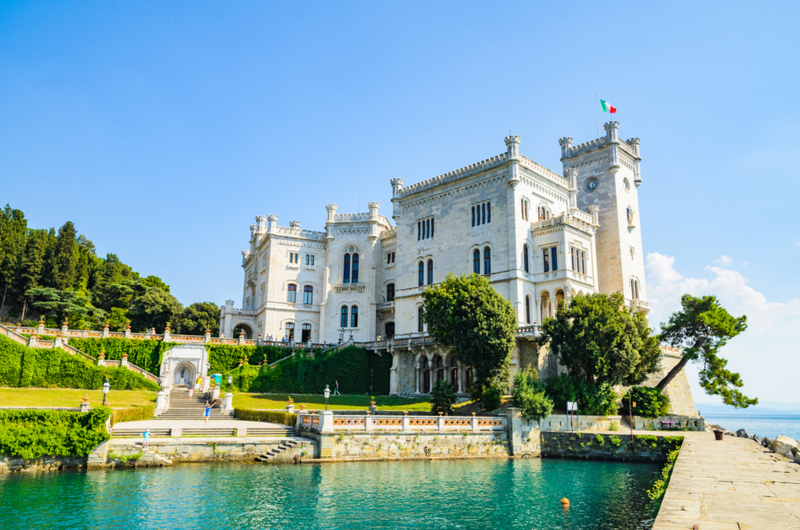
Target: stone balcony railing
x=564, y=219
x=350, y=287
x=402, y=422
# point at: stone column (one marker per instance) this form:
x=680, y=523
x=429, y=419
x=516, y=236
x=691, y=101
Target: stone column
x=207, y=337
x=474, y=425
x=105, y=334
x=405, y=420
x=127, y=334
x=65, y=328
x=393, y=378
x=461, y=374
x=32, y=341
x=227, y=403
x=418, y=374
x=124, y=361
x=166, y=333
x=440, y=423
x=161, y=402
x=85, y=405
x=514, y=430
x=368, y=423
x=40, y=327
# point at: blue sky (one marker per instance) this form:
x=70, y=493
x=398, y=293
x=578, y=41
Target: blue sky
x=162, y=129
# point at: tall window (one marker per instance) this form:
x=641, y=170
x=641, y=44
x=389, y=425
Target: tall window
x=525, y=258
x=634, y=289
x=578, y=258
x=309, y=261
x=419, y=230
x=543, y=212
x=483, y=209
x=308, y=295
x=294, y=257
x=554, y=258
x=389, y=330
x=482, y=213
x=527, y=309
x=390, y=292
x=524, y=205
x=487, y=260
x=425, y=228
x=546, y=259
x=306, y=333
x=419, y=319
x=291, y=295
x=355, y=268
x=421, y=274
x=354, y=316
x=583, y=261
x=476, y=261
x=430, y=271
x=344, y=316
x=346, y=274
x=290, y=331
x=473, y=216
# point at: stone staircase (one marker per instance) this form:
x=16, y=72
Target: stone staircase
x=272, y=454
x=181, y=407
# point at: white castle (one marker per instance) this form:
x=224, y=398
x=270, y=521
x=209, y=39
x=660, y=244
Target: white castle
x=537, y=235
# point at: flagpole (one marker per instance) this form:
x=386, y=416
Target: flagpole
x=597, y=108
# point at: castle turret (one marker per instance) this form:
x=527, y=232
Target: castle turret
x=272, y=223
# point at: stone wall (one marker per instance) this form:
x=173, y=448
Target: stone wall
x=12, y=464
x=525, y=435
x=411, y=444
x=693, y=423
x=679, y=391
x=608, y=446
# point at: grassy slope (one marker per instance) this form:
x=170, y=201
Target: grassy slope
x=349, y=402
x=65, y=397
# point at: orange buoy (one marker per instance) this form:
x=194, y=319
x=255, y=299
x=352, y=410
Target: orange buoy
x=565, y=501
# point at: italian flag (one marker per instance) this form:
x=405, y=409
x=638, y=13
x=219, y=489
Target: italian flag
x=608, y=107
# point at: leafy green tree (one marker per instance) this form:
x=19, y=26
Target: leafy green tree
x=476, y=322
x=197, y=318
x=599, y=340
x=65, y=258
x=13, y=232
x=528, y=395
x=60, y=305
x=650, y=402
x=443, y=397
x=32, y=266
x=702, y=328
x=155, y=281
x=154, y=309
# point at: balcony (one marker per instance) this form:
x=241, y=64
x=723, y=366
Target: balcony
x=350, y=287
x=384, y=306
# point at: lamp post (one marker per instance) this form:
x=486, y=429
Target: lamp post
x=106, y=387
x=631, y=406
x=230, y=380
x=327, y=394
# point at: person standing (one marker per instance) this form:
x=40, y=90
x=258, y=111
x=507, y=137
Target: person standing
x=146, y=436
x=208, y=411
x=336, y=388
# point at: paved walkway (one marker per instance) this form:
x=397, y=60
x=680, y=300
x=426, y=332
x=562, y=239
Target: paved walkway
x=197, y=424
x=734, y=484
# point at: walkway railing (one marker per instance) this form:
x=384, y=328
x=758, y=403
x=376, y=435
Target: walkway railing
x=328, y=422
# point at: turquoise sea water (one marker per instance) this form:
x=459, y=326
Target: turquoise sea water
x=463, y=494
x=762, y=425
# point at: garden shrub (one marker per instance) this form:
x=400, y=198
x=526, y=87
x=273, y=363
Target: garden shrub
x=272, y=416
x=443, y=397
x=491, y=397
x=147, y=353
x=650, y=402
x=132, y=414
x=35, y=433
x=528, y=394
x=595, y=400
x=225, y=357
x=21, y=366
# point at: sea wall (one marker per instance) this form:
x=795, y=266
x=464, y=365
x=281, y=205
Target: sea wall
x=608, y=446
x=525, y=435
x=691, y=423
x=387, y=444
x=13, y=464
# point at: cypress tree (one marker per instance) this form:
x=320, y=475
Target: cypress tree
x=65, y=258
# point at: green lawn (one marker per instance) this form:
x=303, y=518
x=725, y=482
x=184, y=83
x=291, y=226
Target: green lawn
x=67, y=397
x=349, y=402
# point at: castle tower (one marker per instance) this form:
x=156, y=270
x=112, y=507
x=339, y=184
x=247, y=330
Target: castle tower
x=608, y=180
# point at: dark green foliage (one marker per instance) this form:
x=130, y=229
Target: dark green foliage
x=197, y=318
x=65, y=258
x=155, y=308
x=702, y=328
x=491, y=397
x=272, y=416
x=528, y=395
x=476, y=322
x=660, y=486
x=146, y=354
x=650, y=402
x=357, y=370
x=599, y=339
x=35, y=433
x=443, y=396
x=21, y=366
x=60, y=305
x=599, y=400
x=225, y=357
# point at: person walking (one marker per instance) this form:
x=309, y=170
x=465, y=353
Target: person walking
x=336, y=388
x=208, y=411
x=191, y=391
x=146, y=436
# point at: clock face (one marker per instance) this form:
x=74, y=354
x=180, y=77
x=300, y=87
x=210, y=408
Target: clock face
x=591, y=184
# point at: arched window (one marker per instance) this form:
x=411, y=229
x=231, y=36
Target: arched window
x=419, y=230
x=419, y=319
x=355, y=268
x=390, y=292
x=421, y=274
x=432, y=227
x=354, y=316
x=346, y=273
x=430, y=271
x=476, y=261
x=634, y=289
x=291, y=293
x=527, y=309
x=488, y=212
x=525, y=258
x=389, y=330
x=290, y=331
x=524, y=208
x=487, y=260
x=306, y=336
x=308, y=295
x=344, y=316
x=473, y=216
x=483, y=210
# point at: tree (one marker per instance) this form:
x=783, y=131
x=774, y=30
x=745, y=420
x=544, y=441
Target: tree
x=701, y=328
x=197, y=318
x=65, y=258
x=60, y=305
x=443, y=396
x=154, y=309
x=528, y=395
x=13, y=231
x=32, y=266
x=155, y=281
x=476, y=322
x=599, y=340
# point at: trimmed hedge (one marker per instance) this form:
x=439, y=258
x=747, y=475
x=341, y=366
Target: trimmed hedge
x=224, y=357
x=357, y=370
x=132, y=414
x=35, y=433
x=272, y=416
x=146, y=354
x=22, y=367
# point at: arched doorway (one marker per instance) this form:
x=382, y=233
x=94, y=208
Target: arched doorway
x=425, y=372
x=454, y=373
x=183, y=375
x=438, y=367
x=389, y=330
x=248, y=332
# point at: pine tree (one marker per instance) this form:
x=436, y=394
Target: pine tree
x=32, y=266
x=65, y=258
x=13, y=231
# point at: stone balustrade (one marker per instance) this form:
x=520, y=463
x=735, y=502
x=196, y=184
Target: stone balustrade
x=327, y=422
